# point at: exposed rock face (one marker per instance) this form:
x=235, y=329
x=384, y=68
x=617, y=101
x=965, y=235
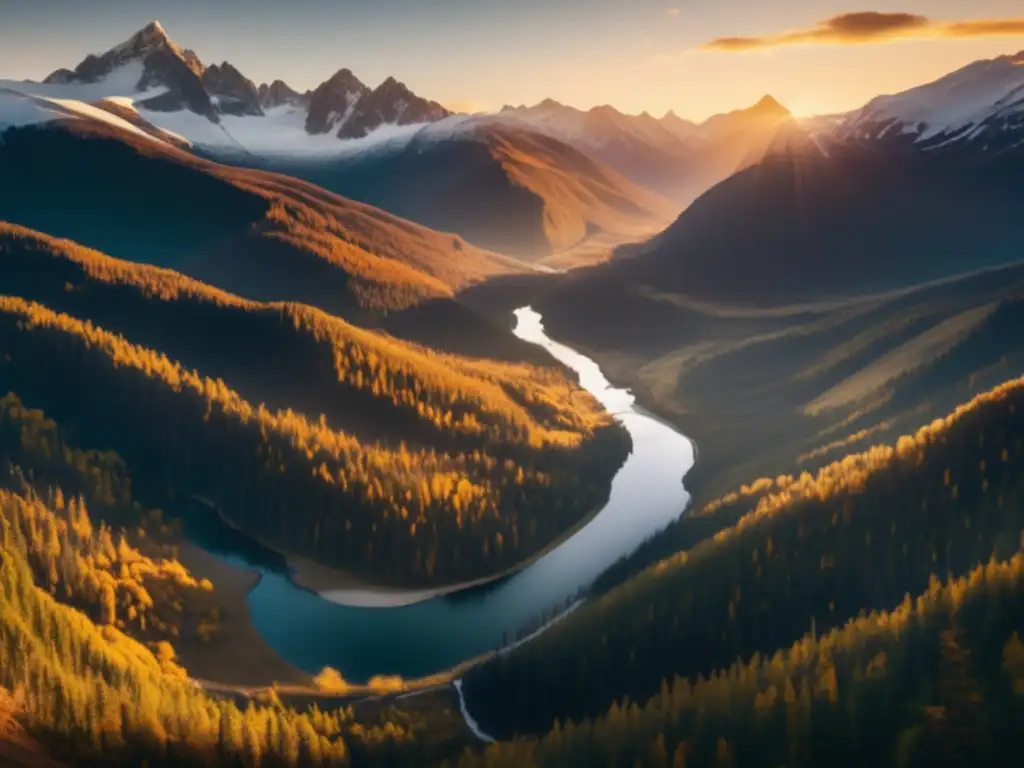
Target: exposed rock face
x=279, y=93
x=158, y=75
x=334, y=102
x=391, y=103
x=234, y=93
x=164, y=65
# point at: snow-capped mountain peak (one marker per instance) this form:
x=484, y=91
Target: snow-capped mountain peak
x=165, y=78
x=146, y=40
x=333, y=102
x=982, y=99
x=232, y=92
x=151, y=75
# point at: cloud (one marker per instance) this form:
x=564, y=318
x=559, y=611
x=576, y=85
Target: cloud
x=672, y=13
x=872, y=27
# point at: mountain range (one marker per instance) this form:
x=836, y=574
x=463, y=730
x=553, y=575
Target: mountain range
x=516, y=181
x=162, y=77
x=674, y=157
x=896, y=247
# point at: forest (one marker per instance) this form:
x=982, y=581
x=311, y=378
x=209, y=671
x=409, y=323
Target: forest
x=936, y=681
x=92, y=616
x=503, y=458
x=94, y=693
x=859, y=536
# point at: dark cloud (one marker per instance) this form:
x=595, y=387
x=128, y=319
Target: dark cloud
x=872, y=27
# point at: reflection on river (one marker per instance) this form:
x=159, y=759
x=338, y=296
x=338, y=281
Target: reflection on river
x=416, y=640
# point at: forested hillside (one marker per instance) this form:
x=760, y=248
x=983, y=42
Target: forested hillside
x=98, y=697
x=259, y=234
x=936, y=681
x=818, y=550
x=501, y=458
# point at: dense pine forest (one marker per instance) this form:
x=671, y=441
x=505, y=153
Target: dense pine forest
x=88, y=667
x=97, y=695
x=936, y=681
x=858, y=536
x=502, y=458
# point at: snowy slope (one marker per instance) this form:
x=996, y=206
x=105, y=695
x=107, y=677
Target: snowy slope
x=19, y=108
x=982, y=97
x=279, y=131
x=173, y=96
x=121, y=82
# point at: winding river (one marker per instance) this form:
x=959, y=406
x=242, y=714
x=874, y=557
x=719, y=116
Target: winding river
x=311, y=631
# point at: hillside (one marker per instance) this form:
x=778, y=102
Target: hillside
x=260, y=235
x=17, y=748
x=811, y=553
x=814, y=226
x=94, y=696
x=938, y=681
x=401, y=452
x=511, y=190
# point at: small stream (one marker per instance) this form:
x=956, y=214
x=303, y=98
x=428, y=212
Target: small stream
x=419, y=639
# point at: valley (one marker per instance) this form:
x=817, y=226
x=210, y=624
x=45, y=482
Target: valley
x=343, y=426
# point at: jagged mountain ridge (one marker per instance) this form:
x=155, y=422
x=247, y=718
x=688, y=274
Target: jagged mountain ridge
x=169, y=79
x=172, y=79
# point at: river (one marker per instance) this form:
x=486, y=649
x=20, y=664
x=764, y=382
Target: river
x=312, y=632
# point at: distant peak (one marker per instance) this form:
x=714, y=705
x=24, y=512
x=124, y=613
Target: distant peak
x=550, y=104
x=341, y=75
x=768, y=105
x=150, y=38
x=151, y=34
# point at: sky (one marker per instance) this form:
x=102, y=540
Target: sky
x=696, y=57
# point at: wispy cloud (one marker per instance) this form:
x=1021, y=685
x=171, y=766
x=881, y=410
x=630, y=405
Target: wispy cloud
x=872, y=27
x=672, y=13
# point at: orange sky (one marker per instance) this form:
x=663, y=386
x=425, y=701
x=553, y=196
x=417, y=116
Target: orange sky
x=639, y=55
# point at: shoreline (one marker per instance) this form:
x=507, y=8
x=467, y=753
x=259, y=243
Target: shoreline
x=238, y=654
x=350, y=592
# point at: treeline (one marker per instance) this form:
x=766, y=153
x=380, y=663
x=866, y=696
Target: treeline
x=397, y=516
x=858, y=536
x=94, y=569
x=936, y=681
x=95, y=696
x=293, y=356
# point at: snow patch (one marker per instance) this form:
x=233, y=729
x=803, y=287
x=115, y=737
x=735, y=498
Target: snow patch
x=18, y=109
x=950, y=105
x=120, y=82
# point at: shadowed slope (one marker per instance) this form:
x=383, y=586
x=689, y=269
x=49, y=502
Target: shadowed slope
x=815, y=552
x=257, y=234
